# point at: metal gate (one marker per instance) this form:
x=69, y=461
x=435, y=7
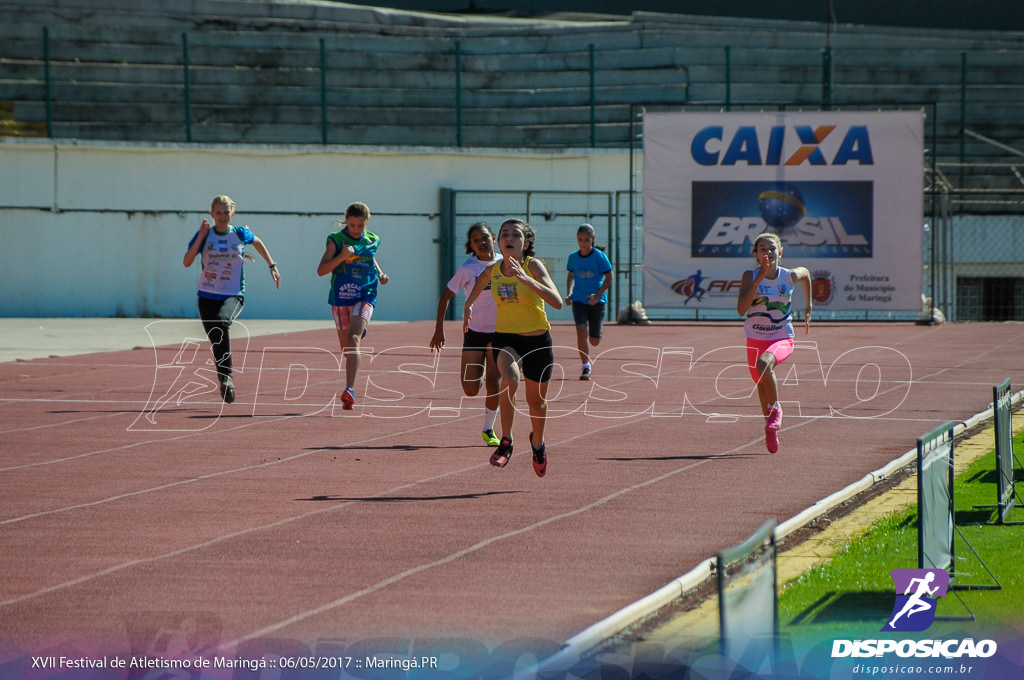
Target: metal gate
x=554, y=216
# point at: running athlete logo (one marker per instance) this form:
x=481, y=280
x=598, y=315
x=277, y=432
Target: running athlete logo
x=914, y=609
x=690, y=287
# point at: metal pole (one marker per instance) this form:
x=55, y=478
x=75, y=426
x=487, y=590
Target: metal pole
x=323, y=92
x=446, y=240
x=963, y=117
x=615, y=292
x=609, y=208
x=49, y=90
x=728, y=78
x=826, y=78
x=188, y=92
x=629, y=218
x=936, y=302
x=458, y=93
x=593, y=117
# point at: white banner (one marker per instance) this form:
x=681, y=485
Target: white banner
x=844, y=191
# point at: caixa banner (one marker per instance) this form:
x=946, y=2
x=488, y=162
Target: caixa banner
x=843, y=190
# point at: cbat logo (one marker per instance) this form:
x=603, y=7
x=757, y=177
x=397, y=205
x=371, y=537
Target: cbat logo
x=696, y=286
x=690, y=287
x=746, y=146
x=917, y=591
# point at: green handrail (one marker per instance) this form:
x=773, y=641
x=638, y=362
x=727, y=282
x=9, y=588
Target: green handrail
x=963, y=116
x=46, y=75
x=728, y=78
x=458, y=93
x=826, y=78
x=188, y=91
x=323, y=91
x=593, y=114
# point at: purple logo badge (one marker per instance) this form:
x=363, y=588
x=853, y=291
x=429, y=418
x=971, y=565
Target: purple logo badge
x=917, y=593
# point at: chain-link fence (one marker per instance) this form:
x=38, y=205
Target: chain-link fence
x=973, y=265
x=554, y=215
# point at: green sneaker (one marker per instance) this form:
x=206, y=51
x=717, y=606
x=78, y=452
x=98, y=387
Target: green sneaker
x=490, y=439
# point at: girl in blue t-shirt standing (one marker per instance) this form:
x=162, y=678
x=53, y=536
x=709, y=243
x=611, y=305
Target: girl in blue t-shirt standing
x=586, y=286
x=222, y=282
x=351, y=260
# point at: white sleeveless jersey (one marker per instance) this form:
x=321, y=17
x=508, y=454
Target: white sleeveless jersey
x=769, y=317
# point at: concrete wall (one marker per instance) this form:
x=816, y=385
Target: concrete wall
x=99, y=229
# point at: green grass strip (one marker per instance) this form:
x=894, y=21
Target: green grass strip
x=852, y=594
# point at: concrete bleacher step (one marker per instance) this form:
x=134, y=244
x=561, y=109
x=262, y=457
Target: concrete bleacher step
x=652, y=29
x=117, y=72
x=11, y=126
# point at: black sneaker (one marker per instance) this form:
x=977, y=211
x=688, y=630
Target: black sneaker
x=585, y=375
x=227, y=389
x=540, y=458
x=503, y=453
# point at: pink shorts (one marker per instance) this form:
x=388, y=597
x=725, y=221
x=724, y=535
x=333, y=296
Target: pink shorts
x=780, y=349
x=343, y=315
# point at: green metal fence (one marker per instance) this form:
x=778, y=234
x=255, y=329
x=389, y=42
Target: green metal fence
x=528, y=89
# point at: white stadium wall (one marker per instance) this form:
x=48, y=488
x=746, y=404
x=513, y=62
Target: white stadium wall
x=99, y=229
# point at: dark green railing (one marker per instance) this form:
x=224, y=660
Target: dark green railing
x=580, y=104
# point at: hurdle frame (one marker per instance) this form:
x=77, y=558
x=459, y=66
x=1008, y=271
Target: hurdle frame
x=764, y=534
x=1007, y=497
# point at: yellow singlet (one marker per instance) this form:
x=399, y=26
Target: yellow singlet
x=520, y=309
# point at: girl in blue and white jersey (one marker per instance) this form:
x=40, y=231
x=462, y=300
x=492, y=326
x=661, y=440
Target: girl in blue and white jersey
x=221, y=293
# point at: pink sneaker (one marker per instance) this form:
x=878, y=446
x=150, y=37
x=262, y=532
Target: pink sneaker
x=771, y=429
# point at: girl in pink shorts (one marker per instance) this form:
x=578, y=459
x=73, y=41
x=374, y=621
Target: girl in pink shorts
x=766, y=295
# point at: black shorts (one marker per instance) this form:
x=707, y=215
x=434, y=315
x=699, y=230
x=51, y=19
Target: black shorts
x=535, y=353
x=476, y=341
x=589, y=315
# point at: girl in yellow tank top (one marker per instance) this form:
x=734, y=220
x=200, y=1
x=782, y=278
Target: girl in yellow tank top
x=522, y=344
x=520, y=307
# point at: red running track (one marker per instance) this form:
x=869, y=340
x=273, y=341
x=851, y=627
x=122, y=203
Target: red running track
x=140, y=514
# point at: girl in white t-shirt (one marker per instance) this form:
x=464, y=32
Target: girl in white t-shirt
x=766, y=295
x=478, y=367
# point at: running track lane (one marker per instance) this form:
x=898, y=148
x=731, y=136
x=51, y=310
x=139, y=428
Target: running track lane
x=282, y=522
